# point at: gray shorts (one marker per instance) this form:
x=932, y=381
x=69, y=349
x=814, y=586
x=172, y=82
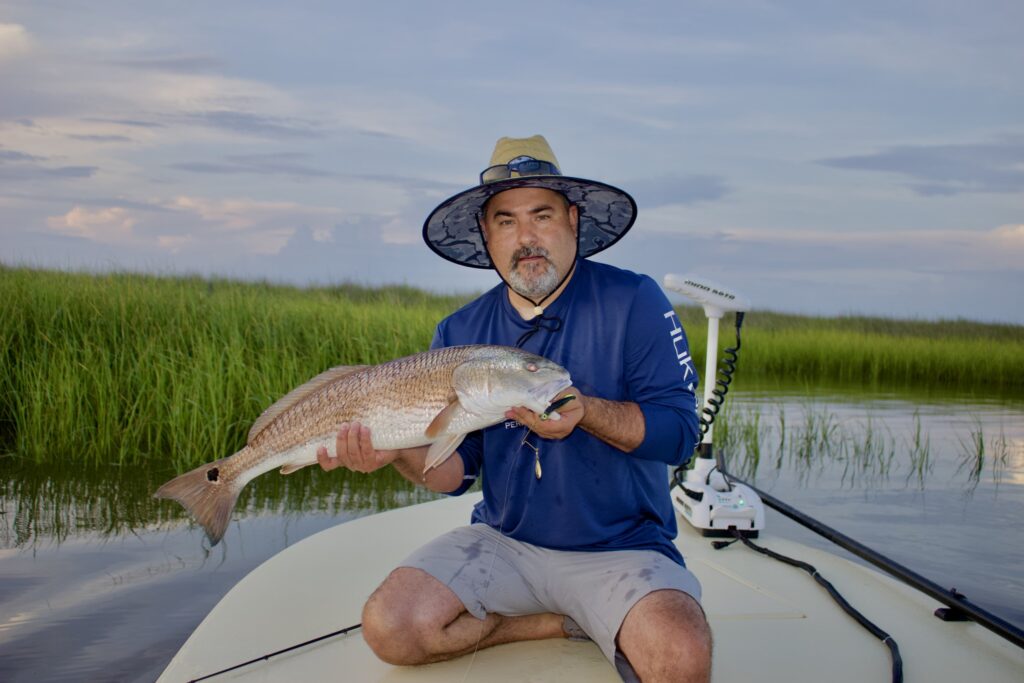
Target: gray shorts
x=490, y=572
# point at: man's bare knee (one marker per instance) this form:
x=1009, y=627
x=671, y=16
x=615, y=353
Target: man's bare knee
x=402, y=617
x=666, y=638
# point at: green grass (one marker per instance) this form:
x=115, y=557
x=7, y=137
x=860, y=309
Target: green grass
x=947, y=356
x=128, y=368
x=125, y=369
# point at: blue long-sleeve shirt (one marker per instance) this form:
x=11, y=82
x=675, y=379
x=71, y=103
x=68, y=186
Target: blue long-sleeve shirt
x=620, y=340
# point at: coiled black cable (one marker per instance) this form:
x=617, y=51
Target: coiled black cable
x=722, y=380
x=726, y=369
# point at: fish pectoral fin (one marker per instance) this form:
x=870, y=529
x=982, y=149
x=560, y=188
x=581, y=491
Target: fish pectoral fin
x=294, y=467
x=441, y=449
x=441, y=421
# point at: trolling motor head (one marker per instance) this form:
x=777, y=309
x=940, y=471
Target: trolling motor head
x=716, y=299
x=705, y=497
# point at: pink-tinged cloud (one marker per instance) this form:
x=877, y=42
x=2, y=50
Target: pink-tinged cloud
x=112, y=225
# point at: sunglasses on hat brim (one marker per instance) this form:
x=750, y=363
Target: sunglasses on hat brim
x=521, y=167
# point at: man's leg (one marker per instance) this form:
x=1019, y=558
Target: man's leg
x=413, y=618
x=665, y=637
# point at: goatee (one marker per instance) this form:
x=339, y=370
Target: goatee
x=537, y=285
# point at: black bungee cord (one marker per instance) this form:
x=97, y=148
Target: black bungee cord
x=894, y=649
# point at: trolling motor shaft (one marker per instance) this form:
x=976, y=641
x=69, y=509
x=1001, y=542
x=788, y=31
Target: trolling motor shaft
x=705, y=497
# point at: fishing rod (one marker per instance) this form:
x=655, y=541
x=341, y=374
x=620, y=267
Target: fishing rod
x=263, y=658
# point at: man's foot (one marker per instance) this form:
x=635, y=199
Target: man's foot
x=573, y=630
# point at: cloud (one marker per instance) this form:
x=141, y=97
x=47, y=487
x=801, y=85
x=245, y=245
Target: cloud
x=672, y=189
x=282, y=163
x=99, y=138
x=273, y=127
x=14, y=155
x=111, y=225
x=948, y=169
x=173, y=63
x=15, y=41
x=124, y=122
x=32, y=171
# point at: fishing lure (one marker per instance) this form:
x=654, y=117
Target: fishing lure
x=546, y=415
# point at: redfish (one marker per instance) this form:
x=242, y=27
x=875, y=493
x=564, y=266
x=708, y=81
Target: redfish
x=435, y=397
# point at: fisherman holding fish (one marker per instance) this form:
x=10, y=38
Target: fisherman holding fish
x=573, y=537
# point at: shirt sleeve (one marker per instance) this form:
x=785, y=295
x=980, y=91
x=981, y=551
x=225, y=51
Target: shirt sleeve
x=661, y=377
x=471, y=449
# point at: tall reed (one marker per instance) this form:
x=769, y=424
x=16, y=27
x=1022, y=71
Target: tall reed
x=128, y=369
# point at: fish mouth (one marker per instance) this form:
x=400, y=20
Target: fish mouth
x=543, y=393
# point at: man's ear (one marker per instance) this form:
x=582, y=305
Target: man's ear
x=574, y=219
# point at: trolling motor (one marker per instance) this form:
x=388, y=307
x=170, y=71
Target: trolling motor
x=703, y=495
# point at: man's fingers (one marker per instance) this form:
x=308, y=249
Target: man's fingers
x=327, y=463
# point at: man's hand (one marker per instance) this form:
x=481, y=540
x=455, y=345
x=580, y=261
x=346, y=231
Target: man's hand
x=355, y=451
x=572, y=413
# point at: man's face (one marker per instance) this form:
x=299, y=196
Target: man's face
x=531, y=238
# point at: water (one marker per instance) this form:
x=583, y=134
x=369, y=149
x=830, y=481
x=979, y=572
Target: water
x=100, y=582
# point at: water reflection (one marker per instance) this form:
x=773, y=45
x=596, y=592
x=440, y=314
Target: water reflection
x=99, y=581
x=50, y=503
x=873, y=443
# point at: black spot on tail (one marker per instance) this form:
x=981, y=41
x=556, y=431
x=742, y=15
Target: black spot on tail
x=213, y=474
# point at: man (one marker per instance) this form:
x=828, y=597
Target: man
x=573, y=537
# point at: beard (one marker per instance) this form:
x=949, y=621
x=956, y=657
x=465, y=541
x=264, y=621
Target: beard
x=535, y=280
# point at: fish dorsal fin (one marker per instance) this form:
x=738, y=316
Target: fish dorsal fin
x=441, y=421
x=299, y=393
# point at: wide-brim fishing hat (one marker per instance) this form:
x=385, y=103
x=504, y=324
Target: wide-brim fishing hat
x=453, y=230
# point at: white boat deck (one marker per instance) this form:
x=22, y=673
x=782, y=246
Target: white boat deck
x=770, y=621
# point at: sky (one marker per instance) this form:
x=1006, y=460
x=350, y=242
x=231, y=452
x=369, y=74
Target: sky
x=827, y=158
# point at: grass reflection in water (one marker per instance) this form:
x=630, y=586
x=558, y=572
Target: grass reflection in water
x=49, y=503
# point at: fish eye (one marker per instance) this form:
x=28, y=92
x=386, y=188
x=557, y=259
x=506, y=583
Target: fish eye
x=532, y=367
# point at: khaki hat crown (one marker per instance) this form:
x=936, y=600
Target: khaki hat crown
x=535, y=147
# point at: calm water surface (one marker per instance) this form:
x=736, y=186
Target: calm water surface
x=100, y=582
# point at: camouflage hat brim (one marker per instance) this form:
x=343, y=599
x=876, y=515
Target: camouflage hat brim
x=452, y=230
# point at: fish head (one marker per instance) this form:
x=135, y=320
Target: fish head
x=498, y=378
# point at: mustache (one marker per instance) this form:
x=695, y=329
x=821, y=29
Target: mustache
x=526, y=252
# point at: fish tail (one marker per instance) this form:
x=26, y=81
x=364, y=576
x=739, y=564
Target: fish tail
x=208, y=497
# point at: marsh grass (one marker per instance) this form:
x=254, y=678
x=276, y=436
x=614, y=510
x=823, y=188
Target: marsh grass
x=871, y=353
x=127, y=369
x=976, y=449
x=859, y=452
x=124, y=369
x=918, y=450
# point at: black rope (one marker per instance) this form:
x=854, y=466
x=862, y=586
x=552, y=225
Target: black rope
x=538, y=325
x=952, y=599
x=894, y=650
x=265, y=657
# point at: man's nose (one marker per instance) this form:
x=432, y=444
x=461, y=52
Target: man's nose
x=527, y=234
